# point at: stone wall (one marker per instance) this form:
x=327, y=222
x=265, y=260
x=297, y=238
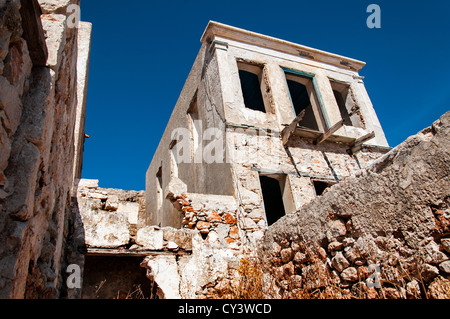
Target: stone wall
x=187, y=262
x=394, y=216
x=38, y=105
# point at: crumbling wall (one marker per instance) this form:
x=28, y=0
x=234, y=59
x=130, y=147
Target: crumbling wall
x=388, y=226
x=38, y=103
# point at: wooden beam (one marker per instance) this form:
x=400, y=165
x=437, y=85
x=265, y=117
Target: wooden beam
x=357, y=145
x=33, y=32
x=328, y=133
x=287, y=131
x=132, y=253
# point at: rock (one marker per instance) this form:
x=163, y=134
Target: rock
x=97, y=196
x=391, y=293
x=336, y=229
x=428, y=272
x=10, y=104
x=439, y=288
x=181, y=237
x=276, y=249
x=288, y=269
x=234, y=232
x=286, y=255
x=431, y=252
x=349, y=274
x=172, y=246
x=300, y=258
x=201, y=225
x=335, y=246
x=150, y=237
x=131, y=209
x=231, y=220
x=88, y=183
x=339, y=262
x=446, y=244
x=54, y=6
x=213, y=217
x=112, y=203
x=105, y=229
x=54, y=26
x=413, y=289
x=315, y=276
x=163, y=270
x=445, y=266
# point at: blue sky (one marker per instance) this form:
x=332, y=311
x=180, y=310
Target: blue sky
x=142, y=52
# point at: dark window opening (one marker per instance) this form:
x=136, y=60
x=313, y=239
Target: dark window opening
x=106, y=277
x=273, y=199
x=159, y=187
x=320, y=187
x=251, y=90
x=301, y=101
x=342, y=108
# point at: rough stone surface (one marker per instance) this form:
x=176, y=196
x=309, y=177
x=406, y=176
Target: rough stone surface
x=37, y=120
x=389, y=222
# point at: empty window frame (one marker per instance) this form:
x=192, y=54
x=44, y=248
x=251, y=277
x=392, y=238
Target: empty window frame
x=304, y=95
x=254, y=88
x=277, y=196
x=347, y=105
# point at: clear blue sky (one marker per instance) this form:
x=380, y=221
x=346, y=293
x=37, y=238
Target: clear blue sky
x=142, y=52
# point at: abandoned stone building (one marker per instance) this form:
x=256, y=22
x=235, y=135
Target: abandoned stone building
x=271, y=147
x=261, y=123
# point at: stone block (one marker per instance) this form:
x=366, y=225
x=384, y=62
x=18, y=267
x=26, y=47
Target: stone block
x=131, y=209
x=445, y=242
x=336, y=229
x=54, y=26
x=88, y=183
x=103, y=229
x=339, y=262
x=181, y=237
x=17, y=66
x=10, y=104
x=445, y=266
x=349, y=274
x=5, y=146
x=150, y=237
x=24, y=168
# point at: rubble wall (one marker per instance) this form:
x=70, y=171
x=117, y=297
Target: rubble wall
x=394, y=216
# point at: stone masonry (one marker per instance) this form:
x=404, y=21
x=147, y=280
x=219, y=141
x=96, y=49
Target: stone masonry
x=39, y=80
x=394, y=216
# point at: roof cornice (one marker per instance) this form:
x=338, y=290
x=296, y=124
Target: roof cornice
x=225, y=31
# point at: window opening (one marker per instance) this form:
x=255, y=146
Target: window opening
x=159, y=187
x=302, y=88
x=321, y=186
x=252, y=87
x=277, y=196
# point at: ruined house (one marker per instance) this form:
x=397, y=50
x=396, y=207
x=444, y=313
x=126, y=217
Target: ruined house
x=264, y=125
